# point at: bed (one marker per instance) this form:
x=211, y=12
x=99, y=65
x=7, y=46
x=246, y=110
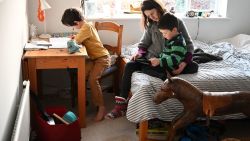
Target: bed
x=230, y=74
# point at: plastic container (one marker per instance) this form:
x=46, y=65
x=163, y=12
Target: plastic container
x=57, y=132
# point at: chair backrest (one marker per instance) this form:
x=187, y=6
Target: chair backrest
x=112, y=26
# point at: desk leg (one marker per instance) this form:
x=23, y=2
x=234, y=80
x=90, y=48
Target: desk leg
x=81, y=92
x=25, y=69
x=32, y=75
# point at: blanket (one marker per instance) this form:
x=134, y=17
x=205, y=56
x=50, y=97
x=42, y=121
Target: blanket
x=200, y=56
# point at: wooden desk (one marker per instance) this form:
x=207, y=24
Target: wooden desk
x=57, y=59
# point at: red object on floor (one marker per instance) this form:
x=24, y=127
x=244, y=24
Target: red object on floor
x=57, y=132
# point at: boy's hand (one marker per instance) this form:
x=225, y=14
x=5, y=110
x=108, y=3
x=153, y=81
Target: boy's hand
x=154, y=62
x=72, y=37
x=182, y=65
x=135, y=56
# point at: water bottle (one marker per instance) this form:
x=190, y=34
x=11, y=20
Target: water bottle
x=33, y=31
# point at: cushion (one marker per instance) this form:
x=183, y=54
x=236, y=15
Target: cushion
x=113, y=59
x=109, y=70
x=238, y=41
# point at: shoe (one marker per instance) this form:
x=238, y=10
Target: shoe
x=120, y=108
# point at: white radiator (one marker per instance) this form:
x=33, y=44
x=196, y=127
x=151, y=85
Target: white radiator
x=21, y=130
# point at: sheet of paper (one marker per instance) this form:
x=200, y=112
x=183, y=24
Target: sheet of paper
x=42, y=43
x=60, y=42
x=32, y=46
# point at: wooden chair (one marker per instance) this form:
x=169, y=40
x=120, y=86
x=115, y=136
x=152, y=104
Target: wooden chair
x=115, y=50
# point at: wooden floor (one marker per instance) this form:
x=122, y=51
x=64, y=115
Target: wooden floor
x=108, y=130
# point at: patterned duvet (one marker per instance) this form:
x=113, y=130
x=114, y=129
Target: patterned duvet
x=231, y=74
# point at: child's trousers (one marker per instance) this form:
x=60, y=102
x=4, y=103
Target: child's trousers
x=94, y=70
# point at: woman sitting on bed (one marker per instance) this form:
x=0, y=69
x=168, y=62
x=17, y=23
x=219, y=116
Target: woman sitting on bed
x=150, y=46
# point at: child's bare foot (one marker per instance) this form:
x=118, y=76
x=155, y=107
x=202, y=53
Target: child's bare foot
x=101, y=113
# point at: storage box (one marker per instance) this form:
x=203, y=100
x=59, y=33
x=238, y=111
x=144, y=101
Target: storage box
x=57, y=132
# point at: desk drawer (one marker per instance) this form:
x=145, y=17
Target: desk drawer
x=53, y=63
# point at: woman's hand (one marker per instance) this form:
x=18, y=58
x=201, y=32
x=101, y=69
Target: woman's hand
x=182, y=65
x=154, y=61
x=135, y=56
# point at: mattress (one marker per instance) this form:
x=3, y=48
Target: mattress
x=230, y=74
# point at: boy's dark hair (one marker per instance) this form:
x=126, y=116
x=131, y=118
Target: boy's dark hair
x=70, y=15
x=168, y=21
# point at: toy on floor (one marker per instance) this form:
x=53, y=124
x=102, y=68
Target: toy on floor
x=73, y=46
x=68, y=117
x=197, y=103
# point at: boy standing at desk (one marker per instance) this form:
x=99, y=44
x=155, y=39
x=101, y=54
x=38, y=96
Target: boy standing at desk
x=99, y=56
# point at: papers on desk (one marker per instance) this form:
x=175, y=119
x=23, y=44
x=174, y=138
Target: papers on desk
x=37, y=45
x=42, y=43
x=60, y=42
x=33, y=46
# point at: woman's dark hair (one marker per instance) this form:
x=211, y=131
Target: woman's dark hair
x=149, y=5
x=168, y=21
x=70, y=16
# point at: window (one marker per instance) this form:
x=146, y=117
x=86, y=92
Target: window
x=182, y=6
x=114, y=8
x=106, y=8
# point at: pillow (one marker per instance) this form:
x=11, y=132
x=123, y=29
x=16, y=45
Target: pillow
x=113, y=58
x=244, y=49
x=238, y=41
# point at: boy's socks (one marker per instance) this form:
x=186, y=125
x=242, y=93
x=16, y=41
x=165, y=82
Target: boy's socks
x=120, y=108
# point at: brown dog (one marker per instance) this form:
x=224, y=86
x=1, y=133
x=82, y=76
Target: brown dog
x=197, y=103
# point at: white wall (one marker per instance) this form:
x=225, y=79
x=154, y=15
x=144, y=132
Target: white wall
x=238, y=12
x=13, y=35
x=52, y=15
x=209, y=29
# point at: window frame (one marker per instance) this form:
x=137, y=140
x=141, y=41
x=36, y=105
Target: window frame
x=219, y=12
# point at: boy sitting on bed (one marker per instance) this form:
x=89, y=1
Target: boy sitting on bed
x=173, y=53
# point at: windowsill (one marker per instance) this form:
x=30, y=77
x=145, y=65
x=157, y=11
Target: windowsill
x=138, y=17
x=212, y=18
x=116, y=17
x=208, y=18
